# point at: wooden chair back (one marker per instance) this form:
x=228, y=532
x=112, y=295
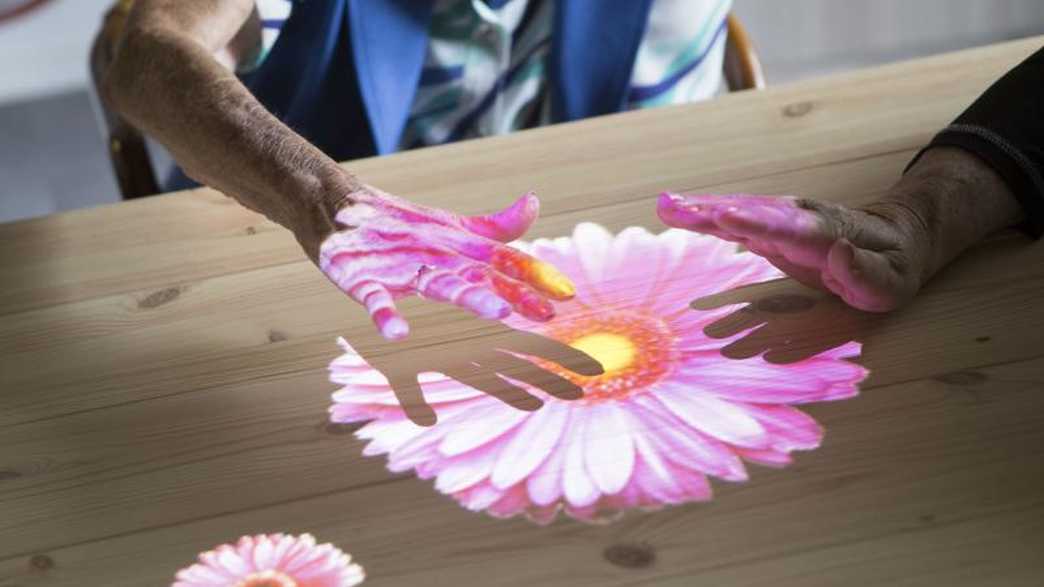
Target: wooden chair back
x=742, y=64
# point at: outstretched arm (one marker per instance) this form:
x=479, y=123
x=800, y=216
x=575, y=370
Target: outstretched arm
x=168, y=79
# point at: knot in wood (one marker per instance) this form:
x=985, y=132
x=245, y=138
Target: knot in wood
x=41, y=562
x=630, y=556
x=797, y=109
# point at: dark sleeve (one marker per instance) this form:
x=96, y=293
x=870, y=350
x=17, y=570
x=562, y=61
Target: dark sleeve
x=1005, y=127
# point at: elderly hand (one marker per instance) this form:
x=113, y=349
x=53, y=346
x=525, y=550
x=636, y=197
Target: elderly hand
x=867, y=257
x=875, y=257
x=382, y=247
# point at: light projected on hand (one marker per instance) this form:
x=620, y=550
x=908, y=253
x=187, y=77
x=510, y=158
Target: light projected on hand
x=669, y=411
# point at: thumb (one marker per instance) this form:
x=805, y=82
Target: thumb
x=863, y=279
x=508, y=224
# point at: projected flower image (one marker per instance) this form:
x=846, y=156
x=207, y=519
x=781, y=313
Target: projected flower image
x=669, y=411
x=272, y=560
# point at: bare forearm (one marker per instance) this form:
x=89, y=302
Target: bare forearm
x=170, y=85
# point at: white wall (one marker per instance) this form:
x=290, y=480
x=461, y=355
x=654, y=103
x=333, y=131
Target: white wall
x=45, y=51
x=798, y=38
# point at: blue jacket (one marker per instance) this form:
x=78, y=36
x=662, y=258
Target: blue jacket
x=343, y=73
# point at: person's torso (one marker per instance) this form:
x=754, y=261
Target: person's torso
x=485, y=67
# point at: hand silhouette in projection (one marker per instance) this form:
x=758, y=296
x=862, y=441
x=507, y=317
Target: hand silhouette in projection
x=483, y=355
x=784, y=320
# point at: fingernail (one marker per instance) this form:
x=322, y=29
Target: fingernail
x=395, y=328
x=487, y=305
x=552, y=281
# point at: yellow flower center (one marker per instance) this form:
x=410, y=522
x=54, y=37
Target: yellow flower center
x=614, y=351
x=634, y=348
x=267, y=579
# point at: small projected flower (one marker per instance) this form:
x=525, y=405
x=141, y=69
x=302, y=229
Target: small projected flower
x=668, y=412
x=273, y=560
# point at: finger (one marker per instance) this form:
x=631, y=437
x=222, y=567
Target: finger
x=864, y=279
x=779, y=231
x=508, y=224
x=531, y=373
x=779, y=221
x=522, y=298
x=678, y=211
x=526, y=301
x=411, y=397
x=446, y=286
x=543, y=277
x=699, y=212
x=702, y=200
x=488, y=382
x=535, y=345
x=381, y=307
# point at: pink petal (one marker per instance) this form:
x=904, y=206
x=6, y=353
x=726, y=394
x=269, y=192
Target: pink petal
x=530, y=445
x=578, y=487
x=685, y=446
x=713, y=416
x=467, y=470
x=635, y=267
x=652, y=474
x=512, y=503
x=479, y=497
x=608, y=448
x=387, y=435
x=420, y=449
x=545, y=484
x=230, y=560
x=484, y=425
x=592, y=244
x=766, y=456
x=262, y=553
x=789, y=428
x=203, y=574
x=758, y=381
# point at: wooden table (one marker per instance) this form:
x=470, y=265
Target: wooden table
x=164, y=386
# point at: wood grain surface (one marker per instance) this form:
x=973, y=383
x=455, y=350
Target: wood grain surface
x=163, y=385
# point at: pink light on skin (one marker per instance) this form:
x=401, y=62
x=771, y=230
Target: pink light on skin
x=272, y=560
x=794, y=238
x=668, y=412
x=392, y=248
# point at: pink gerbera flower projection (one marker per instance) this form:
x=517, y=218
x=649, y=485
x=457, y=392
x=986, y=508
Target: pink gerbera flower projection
x=669, y=411
x=273, y=560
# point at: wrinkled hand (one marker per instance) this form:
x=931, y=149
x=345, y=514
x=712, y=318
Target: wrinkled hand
x=386, y=248
x=870, y=257
x=482, y=363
